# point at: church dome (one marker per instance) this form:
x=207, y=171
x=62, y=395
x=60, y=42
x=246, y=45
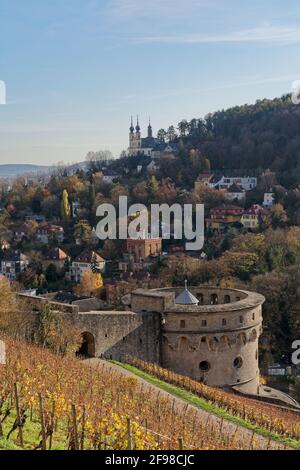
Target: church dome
x=138, y=126
x=131, y=127
x=186, y=298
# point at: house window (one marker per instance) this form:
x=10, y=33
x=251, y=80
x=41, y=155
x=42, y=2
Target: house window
x=182, y=324
x=241, y=320
x=224, y=322
x=204, y=323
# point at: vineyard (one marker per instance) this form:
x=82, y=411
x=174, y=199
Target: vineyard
x=279, y=420
x=53, y=402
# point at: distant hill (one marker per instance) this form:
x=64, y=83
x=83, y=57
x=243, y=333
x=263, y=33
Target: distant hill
x=13, y=170
x=17, y=169
x=249, y=138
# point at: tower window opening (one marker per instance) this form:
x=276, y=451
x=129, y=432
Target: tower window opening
x=238, y=362
x=204, y=366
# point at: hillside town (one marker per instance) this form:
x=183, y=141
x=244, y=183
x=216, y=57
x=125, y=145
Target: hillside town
x=49, y=244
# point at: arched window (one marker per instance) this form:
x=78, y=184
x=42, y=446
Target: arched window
x=184, y=343
x=227, y=299
x=253, y=335
x=214, y=299
x=242, y=338
x=201, y=298
x=225, y=342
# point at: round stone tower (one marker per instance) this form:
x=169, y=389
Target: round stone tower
x=209, y=334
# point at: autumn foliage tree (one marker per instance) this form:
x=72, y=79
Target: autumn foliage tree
x=90, y=285
x=55, y=332
x=65, y=207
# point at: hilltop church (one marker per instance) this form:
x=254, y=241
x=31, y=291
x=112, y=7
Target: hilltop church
x=148, y=146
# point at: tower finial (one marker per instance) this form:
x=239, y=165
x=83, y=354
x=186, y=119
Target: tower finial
x=131, y=127
x=150, y=134
x=137, y=124
x=186, y=284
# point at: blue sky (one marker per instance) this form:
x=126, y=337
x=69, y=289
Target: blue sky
x=75, y=70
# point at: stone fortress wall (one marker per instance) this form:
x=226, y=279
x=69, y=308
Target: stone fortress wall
x=215, y=341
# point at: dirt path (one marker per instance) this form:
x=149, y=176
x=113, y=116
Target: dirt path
x=228, y=428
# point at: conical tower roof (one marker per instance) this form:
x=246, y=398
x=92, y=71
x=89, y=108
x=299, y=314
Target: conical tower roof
x=186, y=298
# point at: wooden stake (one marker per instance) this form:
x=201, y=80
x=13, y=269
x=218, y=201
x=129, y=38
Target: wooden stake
x=19, y=416
x=83, y=429
x=42, y=419
x=129, y=434
x=75, y=430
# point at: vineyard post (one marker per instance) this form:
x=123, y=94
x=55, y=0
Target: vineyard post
x=251, y=441
x=52, y=424
x=221, y=426
x=1, y=429
x=44, y=438
x=18, y=415
x=180, y=443
x=129, y=434
x=83, y=429
x=75, y=430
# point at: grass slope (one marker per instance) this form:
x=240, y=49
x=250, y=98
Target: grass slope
x=210, y=407
x=31, y=435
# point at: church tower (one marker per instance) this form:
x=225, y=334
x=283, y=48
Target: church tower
x=135, y=139
x=131, y=136
x=150, y=133
x=138, y=134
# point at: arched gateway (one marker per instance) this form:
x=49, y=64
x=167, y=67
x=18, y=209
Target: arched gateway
x=88, y=348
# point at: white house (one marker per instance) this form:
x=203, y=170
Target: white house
x=247, y=183
x=269, y=198
x=110, y=176
x=235, y=193
x=87, y=261
x=12, y=264
x=46, y=232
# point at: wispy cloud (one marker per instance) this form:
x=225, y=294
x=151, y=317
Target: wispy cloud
x=262, y=34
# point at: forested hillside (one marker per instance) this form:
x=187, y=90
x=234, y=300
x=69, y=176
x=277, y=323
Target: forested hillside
x=249, y=138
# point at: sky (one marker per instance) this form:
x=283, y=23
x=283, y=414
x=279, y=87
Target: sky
x=76, y=70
